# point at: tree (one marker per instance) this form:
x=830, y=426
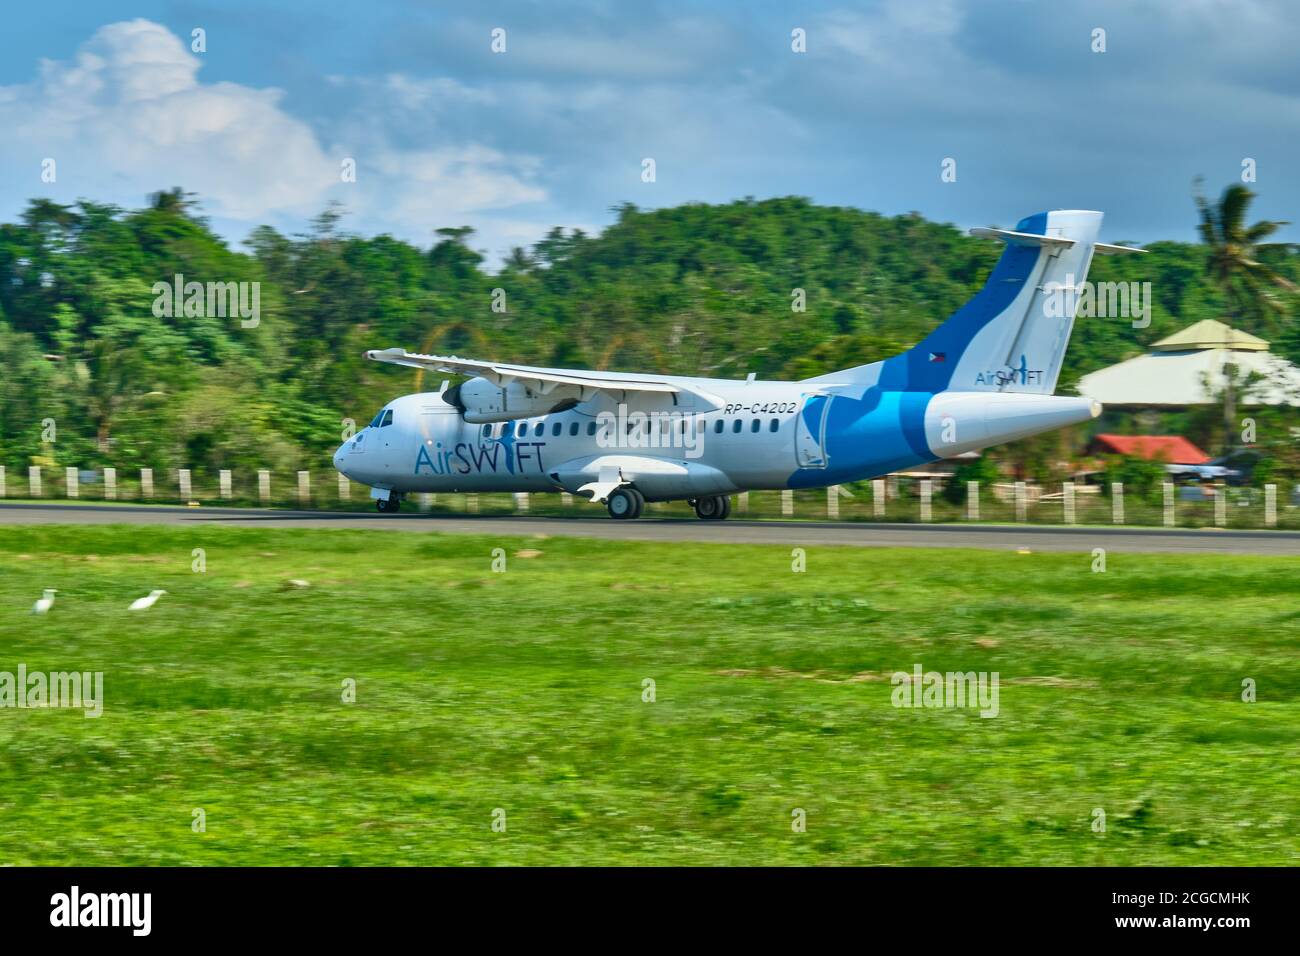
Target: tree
x=1234, y=265
x=982, y=469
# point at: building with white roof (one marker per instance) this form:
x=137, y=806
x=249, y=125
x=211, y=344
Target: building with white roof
x=1188, y=368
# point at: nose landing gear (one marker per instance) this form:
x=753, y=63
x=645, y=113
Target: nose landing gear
x=389, y=505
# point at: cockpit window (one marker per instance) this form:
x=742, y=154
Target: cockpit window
x=377, y=420
x=388, y=418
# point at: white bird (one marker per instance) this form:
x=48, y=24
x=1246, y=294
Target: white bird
x=44, y=604
x=144, y=603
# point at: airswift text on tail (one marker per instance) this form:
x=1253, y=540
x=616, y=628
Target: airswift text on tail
x=985, y=376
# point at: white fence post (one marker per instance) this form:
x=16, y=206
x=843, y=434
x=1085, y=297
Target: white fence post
x=304, y=487
x=742, y=502
x=1117, y=502
x=1021, y=510
x=71, y=489
x=263, y=486
x=521, y=502
x=1168, y=488
x=878, y=497
x=471, y=503
x=973, y=501
x=787, y=503
x=1221, y=505
x=925, y=499
x=146, y=482
x=566, y=499
x=223, y=479
x=425, y=501
x=1270, y=506
x=2, y=481
x=110, y=484
x=34, y=481
x=833, y=501
x=345, y=488
x=1067, y=502
x=183, y=480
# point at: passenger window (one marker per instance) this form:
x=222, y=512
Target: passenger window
x=538, y=429
x=718, y=426
x=591, y=428
x=521, y=429
x=556, y=429
x=775, y=424
x=736, y=425
x=388, y=418
x=755, y=425
x=485, y=431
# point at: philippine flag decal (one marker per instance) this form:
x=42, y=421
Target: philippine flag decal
x=938, y=356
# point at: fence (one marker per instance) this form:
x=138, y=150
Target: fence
x=890, y=499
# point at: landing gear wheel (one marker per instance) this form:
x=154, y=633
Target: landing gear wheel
x=624, y=503
x=713, y=508
x=388, y=505
x=640, y=502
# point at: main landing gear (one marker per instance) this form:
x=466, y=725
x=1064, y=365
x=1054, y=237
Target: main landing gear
x=713, y=508
x=389, y=505
x=624, y=503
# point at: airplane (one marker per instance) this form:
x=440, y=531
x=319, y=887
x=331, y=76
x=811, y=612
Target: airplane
x=983, y=377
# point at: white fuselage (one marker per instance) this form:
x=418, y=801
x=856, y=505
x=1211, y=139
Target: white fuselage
x=677, y=446
x=745, y=435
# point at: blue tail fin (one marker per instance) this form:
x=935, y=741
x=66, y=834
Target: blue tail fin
x=1012, y=336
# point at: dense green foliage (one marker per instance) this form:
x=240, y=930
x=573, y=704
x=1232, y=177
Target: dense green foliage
x=525, y=691
x=1141, y=478
x=695, y=289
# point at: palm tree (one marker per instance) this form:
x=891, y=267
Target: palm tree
x=1234, y=266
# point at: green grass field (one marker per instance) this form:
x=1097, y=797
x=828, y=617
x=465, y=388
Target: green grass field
x=523, y=691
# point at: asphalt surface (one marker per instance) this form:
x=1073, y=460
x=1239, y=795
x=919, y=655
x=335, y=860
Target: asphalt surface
x=807, y=533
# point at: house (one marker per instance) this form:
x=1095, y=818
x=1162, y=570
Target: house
x=1168, y=449
x=1188, y=368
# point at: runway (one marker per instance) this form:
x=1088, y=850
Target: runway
x=804, y=533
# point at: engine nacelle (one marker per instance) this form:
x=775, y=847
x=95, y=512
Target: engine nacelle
x=481, y=402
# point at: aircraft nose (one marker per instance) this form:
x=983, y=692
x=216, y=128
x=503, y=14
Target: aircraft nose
x=341, y=456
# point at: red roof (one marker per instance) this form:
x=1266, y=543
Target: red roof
x=1173, y=449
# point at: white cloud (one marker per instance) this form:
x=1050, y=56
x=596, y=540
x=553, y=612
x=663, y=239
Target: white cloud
x=128, y=115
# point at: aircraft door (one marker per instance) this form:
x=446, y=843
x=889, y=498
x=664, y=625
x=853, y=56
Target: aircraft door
x=810, y=432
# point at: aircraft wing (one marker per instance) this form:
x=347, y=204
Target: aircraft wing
x=548, y=379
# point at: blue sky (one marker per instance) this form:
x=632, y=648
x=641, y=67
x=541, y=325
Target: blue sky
x=553, y=131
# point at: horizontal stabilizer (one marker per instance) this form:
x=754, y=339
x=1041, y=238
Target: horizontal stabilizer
x=1106, y=249
x=1022, y=238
